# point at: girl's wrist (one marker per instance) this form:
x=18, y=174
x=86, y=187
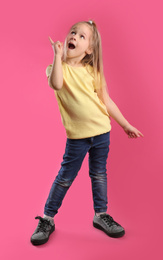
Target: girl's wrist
x=58, y=55
x=57, y=58
x=126, y=125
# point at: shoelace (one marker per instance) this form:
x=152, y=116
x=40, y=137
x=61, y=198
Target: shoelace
x=43, y=224
x=109, y=220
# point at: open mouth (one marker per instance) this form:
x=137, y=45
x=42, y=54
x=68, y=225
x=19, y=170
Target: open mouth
x=71, y=46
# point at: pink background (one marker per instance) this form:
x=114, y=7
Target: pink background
x=33, y=138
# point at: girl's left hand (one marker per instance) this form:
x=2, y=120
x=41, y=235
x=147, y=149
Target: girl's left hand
x=132, y=132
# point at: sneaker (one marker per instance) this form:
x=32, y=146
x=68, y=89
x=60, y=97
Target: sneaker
x=42, y=232
x=107, y=224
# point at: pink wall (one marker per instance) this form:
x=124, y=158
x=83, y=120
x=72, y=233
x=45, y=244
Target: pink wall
x=33, y=138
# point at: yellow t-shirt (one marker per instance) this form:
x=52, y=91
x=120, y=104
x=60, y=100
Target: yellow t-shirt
x=83, y=113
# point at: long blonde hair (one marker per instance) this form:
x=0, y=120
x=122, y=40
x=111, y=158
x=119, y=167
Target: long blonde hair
x=95, y=58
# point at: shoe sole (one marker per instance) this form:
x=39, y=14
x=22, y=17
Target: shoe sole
x=43, y=241
x=115, y=235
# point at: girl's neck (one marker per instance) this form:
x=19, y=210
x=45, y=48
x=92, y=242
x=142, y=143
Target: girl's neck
x=74, y=62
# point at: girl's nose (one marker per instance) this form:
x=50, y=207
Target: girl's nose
x=73, y=37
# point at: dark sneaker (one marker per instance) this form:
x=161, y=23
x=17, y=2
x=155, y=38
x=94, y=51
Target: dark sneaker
x=42, y=232
x=107, y=224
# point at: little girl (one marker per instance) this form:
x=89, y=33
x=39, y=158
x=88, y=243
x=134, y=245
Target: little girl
x=77, y=78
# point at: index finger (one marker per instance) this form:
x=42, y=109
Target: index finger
x=51, y=40
x=140, y=134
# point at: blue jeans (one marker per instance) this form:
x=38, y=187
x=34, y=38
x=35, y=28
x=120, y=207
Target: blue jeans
x=76, y=149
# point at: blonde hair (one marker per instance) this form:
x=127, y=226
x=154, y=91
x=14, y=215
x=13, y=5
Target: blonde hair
x=95, y=58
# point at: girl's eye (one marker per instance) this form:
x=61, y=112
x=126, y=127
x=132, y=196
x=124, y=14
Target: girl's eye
x=82, y=36
x=73, y=33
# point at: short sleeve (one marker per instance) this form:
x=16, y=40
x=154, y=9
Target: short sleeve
x=48, y=70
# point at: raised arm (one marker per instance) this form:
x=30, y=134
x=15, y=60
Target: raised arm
x=56, y=77
x=116, y=114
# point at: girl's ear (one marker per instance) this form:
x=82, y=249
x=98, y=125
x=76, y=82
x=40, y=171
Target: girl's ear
x=89, y=50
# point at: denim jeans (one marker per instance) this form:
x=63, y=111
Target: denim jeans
x=75, y=151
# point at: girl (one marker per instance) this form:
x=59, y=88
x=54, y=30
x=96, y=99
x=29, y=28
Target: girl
x=77, y=78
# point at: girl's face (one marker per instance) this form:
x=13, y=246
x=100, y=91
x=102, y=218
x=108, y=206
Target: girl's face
x=78, y=42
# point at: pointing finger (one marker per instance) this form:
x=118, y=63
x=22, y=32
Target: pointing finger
x=51, y=40
x=140, y=134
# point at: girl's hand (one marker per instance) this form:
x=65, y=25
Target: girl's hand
x=132, y=132
x=57, y=47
